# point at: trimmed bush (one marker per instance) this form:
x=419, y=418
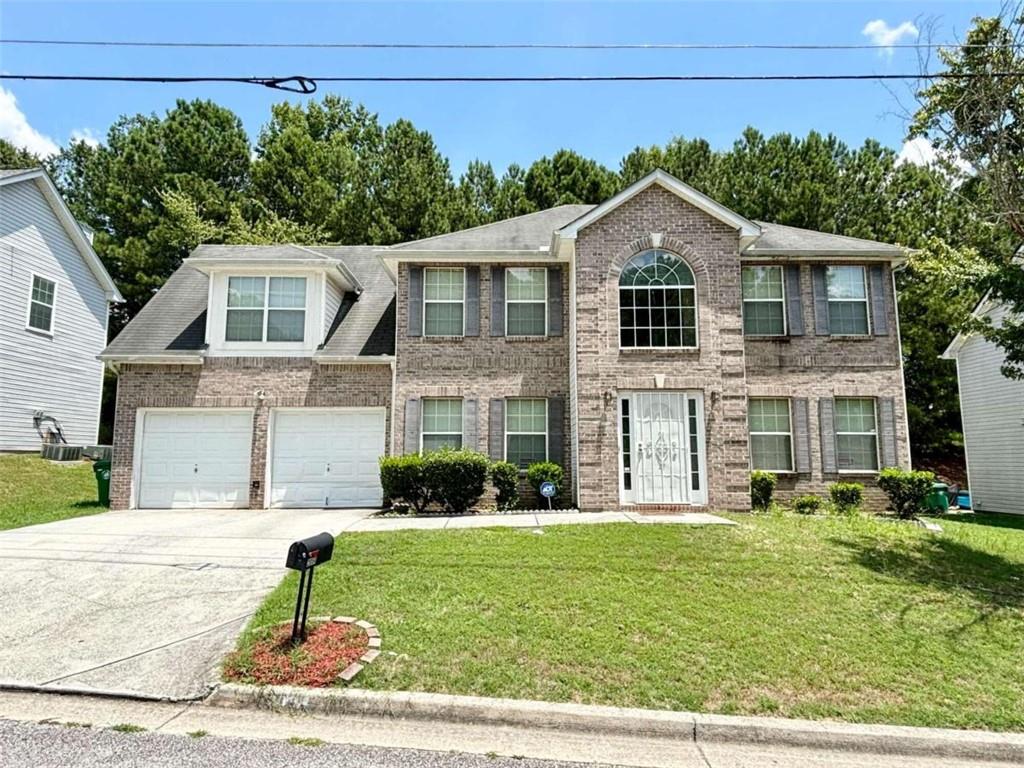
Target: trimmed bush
x=762, y=486
x=505, y=479
x=401, y=478
x=455, y=480
x=907, y=490
x=846, y=497
x=807, y=505
x=546, y=471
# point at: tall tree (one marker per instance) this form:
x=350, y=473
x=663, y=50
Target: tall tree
x=567, y=177
x=12, y=157
x=477, y=195
x=974, y=116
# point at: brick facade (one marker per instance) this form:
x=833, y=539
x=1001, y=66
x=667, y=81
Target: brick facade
x=237, y=382
x=480, y=367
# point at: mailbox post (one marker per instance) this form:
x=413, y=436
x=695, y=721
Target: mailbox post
x=303, y=556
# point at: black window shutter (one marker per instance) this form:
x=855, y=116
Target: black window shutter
x=827, y=423
x=554, y=301
x=497, y=301
x=556, y=430
x=879, y=305
x=794, y=301
x=887, y=431
x=415, y=324
x=470, y=426
x=472, y=301
x=801, y=435
x=496, y=429
x=820, y=285
x=412, y=425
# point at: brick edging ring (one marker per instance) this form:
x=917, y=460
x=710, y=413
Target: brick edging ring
x=372, y=644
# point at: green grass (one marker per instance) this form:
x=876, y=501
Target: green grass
x=36, y=491
x=846, y=618
x=306, y=741
x=127, y=728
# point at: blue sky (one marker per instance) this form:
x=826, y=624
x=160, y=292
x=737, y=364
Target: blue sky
x=501, y=123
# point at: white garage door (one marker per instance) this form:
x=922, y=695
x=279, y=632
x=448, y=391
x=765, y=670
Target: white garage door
x=194, y=458
x=326, y=457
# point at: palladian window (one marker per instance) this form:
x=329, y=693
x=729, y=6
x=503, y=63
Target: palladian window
x=657, y=302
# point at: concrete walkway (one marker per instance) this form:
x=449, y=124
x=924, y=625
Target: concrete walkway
x=527, y=520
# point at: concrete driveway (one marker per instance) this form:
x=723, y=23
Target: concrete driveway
x=144, y=602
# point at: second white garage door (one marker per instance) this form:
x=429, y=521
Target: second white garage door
x=326, y=457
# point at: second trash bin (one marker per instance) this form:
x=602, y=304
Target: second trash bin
x=938, y=499
x=102, y=471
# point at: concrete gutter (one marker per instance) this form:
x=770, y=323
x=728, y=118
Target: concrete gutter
x=687, y=726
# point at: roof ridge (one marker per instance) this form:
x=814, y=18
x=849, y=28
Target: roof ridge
x=398, y=246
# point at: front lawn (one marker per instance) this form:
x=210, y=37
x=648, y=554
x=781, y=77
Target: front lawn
x=36, y=491
x=853, y=619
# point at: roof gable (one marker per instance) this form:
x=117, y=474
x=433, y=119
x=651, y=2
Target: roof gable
x=748, y=230
x=67, y=220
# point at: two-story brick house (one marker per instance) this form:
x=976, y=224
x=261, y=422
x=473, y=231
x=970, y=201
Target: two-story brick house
x=657, y=345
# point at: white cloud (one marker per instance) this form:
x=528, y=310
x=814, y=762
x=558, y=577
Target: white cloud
x=881, y=34
x=919, y=151
x=86, y=136
x=15, y=128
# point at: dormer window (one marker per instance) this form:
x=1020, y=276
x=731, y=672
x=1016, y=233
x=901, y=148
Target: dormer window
x=266, y=309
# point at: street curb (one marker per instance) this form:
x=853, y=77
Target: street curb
x=688, y=726
x=101, y=693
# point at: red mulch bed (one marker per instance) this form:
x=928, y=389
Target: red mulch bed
x=273, y=660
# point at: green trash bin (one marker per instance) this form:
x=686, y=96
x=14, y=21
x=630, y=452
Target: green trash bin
x=938, y=499
x=101, y=469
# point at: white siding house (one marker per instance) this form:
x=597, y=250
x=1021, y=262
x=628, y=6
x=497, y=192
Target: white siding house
x=54, y=297
x=992, y=410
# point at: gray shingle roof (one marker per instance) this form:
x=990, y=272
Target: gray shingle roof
x=282, y=252
x=173, y=322
x=529, y=232
x=4, y=172
x=781, y=239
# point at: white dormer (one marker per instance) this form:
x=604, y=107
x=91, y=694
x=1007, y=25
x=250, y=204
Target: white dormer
x=270, y=301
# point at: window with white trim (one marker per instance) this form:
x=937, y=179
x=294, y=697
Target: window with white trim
x=441, y=424
x=847, y=301
x=856, y=434
x=41, y=304
x=526, y=431
x=771, y=434
x=266, y=309
x=526, y=301
x=764, y=301
x=657, y=302
x=444, y=295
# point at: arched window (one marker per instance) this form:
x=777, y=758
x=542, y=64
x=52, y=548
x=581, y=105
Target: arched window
x=657, y=302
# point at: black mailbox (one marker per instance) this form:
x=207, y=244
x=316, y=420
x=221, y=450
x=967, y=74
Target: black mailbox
x=306, y=553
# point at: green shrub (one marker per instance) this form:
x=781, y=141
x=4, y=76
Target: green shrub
x=455, y=479
x=762, y=486
x=907, y=490
x=505, y=479
x=846, y=497
x=546, y=471
x=401, y=478
x=807, y=505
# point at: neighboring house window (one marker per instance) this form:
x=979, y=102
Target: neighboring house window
x=442, y=424
x=771, y=434
x=657, y=302
x=526, y=431
x=856, y=434
x=847, y=301
x=41, y=303
x=764, y=308
x=266, y=309
x=526, y=301
x=444, y=292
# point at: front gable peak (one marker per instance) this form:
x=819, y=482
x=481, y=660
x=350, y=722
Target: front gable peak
x=748, y=230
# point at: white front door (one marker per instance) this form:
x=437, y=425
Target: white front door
x=197, y=457
x=661, y=447
x=326, y=457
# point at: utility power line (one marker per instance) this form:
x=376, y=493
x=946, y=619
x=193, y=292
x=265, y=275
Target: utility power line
x=308, y=84
x=508, y=46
